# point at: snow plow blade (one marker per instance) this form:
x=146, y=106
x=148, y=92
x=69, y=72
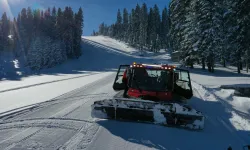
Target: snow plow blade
x=166, y=114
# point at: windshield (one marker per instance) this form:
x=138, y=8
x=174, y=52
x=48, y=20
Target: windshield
x=150, y=79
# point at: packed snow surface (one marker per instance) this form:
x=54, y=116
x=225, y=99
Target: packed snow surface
x=66, y=121
x=40, y=93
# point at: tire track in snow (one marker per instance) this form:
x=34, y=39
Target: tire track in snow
x=52, y=118
x=48, y=82
x=81, y=139
x=59, y=99
x=90, y=87
x=218, y=120
x=38, y=131
x=207, y=117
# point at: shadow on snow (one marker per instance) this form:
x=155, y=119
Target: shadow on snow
x=219, y=133
x=218, y=73
x=95, y=58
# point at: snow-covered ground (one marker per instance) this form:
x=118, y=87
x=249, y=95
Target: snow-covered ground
x=222, y=76
x=39, y=93
x=65, y=122
x=123, y=48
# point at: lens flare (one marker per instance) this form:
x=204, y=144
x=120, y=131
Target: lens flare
x=6, y=7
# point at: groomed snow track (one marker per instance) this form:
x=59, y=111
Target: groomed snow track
x=59, y=119
x=65, y=122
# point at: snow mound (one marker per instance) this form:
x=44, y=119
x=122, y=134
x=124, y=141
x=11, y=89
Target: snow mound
x=239, y=122
x=158, y=116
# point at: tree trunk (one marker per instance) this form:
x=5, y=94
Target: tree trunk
x=224, y=62
x=247, y=65
x=247, y=61
x=238, y=67
x=191, y=64
x=209, y=67
x=203, y=63
x=241, y=66
x=212, y=66
x=198, y=61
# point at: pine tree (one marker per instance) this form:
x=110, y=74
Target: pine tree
x=43, y=37
x=164, y=29
x=206, y=32
x=23, y=31
x=1, y=36
x=186, y=32
x=36, y=22
x=136, y=26
x=59, y=52
x=156, y=27
x=125, y=25
x=94, y=33
x=112, y=30
x=242, y=39
x=78, y=33
x=29, y=26
x=228, y=28
x=150, y=29
x=118, y=25
x=132, y=28
x=177, y=17
x=5, y=30
x=35, y=58
x=68, y=33
x=60, y=24
x=101, y=28
x=54, y=32
x=143, y=26
x=190, y=38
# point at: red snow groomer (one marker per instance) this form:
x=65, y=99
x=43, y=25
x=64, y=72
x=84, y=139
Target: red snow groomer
x=151, y=93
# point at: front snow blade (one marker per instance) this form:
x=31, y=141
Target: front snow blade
x=167, y=114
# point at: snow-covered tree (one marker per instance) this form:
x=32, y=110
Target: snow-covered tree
x=164, y=29
x=68, y=34
x=140, y=28
x=150, y=29
x=118, y=25
x=45, y=38
x=242, y=39
x=78, y=33
x=136, y=24
x=1, y=36
x=133, y=28
x=5, y=25
x=143, y=26
x=35, y=55
x=125, y=25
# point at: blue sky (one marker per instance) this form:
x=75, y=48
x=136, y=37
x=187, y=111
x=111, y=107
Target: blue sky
x=95, y=11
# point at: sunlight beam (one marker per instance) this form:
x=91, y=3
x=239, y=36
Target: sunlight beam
x=6, y=8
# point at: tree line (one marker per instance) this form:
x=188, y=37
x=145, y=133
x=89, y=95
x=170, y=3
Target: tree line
x=202, y=31
x=44, y=38
x=142, y=28
x=210, y=31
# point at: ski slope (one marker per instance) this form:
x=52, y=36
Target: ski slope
x=56, y=111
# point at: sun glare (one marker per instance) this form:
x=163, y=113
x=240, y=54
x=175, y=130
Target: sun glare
x=14, y=2
x=6, y=7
